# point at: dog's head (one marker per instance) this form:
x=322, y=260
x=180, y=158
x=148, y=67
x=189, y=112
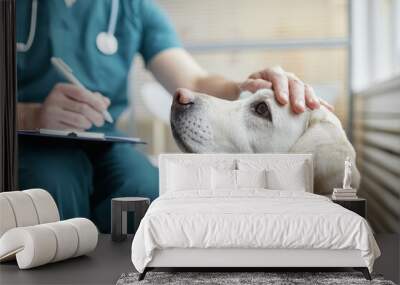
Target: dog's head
x=257, y=124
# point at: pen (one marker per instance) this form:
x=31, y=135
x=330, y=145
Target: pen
x=66, y=71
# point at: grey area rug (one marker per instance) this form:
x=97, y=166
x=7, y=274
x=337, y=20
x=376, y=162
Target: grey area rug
x=269, y=278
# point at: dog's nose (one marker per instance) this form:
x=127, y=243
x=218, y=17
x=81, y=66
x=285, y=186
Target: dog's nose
x=183, y=97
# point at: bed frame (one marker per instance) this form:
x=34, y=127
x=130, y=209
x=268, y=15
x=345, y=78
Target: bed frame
x=245, y=258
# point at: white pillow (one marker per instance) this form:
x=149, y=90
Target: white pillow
x=282, y=174
x=251, y=178
x=223, y=179
x=188, y=177
x=293, y=180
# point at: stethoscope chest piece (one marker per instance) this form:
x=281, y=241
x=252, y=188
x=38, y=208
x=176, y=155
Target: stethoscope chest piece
x=107, y=43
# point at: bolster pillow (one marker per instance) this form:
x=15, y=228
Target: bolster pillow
x=40, y=244
x=26, y=208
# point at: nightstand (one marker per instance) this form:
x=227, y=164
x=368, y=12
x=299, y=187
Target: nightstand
x=358, y=206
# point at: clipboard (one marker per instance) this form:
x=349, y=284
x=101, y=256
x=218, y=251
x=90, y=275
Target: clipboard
x=78, y=136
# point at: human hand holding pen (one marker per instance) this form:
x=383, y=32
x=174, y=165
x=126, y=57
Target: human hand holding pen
x=70, y=107
x=68, y=74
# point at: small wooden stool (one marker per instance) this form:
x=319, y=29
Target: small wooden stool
x=119, y=209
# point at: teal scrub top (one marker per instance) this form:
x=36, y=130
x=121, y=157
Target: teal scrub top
x=70, y=33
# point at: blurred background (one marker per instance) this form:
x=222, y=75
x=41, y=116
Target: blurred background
x=348, y=50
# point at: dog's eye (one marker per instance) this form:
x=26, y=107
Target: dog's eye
x=262, y=110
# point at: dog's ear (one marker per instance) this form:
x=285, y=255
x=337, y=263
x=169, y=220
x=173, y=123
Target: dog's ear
x=308, y=142
x=325, y=138
x=323, y=127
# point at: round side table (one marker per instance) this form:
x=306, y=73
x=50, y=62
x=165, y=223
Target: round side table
x=119, y=209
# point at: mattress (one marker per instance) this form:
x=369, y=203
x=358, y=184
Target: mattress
x=251, y=219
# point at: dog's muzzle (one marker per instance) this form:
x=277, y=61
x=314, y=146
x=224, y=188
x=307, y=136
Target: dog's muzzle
x=187, y=123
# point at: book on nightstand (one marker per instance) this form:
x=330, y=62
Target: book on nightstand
x=344, y=194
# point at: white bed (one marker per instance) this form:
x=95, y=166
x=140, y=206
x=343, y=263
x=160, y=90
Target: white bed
x=205, y=226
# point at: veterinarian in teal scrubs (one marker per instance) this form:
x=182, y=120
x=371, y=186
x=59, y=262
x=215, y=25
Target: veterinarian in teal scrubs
x=83, y=178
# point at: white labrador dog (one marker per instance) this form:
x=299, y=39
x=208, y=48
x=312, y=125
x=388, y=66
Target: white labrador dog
x=258, y=124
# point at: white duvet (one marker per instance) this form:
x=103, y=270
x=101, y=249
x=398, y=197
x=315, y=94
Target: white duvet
x=250, y=219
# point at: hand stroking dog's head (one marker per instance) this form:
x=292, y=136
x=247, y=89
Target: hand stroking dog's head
x=258, y=124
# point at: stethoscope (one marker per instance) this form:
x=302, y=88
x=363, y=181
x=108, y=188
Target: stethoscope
x=106, y=42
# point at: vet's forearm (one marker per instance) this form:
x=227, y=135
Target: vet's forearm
x=176, y=68
x=218, y=86
x=27, y=115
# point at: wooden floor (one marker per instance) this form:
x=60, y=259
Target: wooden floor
x=110, y=260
